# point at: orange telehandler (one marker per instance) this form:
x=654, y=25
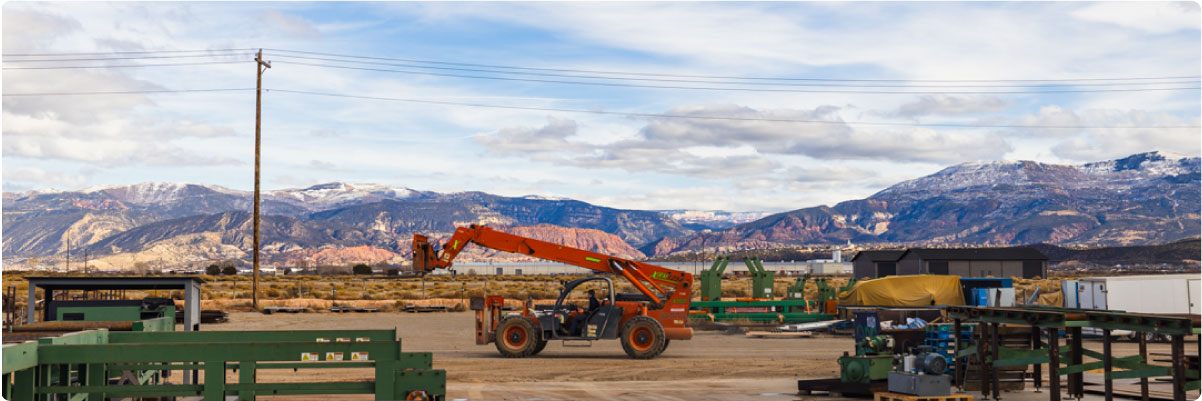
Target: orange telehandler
x=645, y=322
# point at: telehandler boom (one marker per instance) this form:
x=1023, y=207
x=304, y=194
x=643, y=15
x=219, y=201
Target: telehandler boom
x=644, y=322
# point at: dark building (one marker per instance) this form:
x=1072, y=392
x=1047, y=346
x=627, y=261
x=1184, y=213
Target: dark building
x=873, y=264
x=974, y=262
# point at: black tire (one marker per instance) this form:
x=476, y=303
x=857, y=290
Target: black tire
x=643, y=338
x=542, y=343
x=516, y=337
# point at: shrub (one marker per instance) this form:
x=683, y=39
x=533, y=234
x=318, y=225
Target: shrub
x=361, y=269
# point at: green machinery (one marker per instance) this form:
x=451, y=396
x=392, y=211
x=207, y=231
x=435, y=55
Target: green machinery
x=97, y=364
x=761, y=279
x=798, y=289
x=873, y=360
x=711, y=280
x=826, y=292
x=793, y=308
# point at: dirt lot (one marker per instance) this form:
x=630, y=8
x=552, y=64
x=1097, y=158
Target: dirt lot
x=711, y=366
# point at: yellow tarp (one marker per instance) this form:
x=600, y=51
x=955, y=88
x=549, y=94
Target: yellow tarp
x=905, y=291
x=1049, y=291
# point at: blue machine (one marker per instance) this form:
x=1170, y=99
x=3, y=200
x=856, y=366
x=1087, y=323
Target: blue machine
x=976, y=289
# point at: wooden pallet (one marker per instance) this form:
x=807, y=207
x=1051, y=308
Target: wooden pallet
x=836, y=388
x=886, y=396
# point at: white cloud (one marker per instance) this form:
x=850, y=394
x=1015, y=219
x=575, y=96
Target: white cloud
x=291, y=25
x=1134, y=131
x=1152, y=17
x=31, y=30
x=951, y=105
x=19, y=177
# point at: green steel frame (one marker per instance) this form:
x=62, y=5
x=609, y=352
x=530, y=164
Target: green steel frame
x=762, y=280
x=1052, y=321
x=711, y=280
x=80, y=365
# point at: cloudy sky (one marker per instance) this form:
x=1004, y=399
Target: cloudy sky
x=734, y=106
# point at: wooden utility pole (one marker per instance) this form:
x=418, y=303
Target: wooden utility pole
x=260, y=66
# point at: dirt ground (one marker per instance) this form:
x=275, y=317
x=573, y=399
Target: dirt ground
x=711, y=366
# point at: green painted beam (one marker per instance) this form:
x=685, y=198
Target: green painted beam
x=1190, y=386
x=162, y=324
x=250, y=336
x=1135, y=374
x=98, y=336
x=154, y=366
x=746, y=304
x=127, y=391
x=304, y=388
x=200, y=352
x=20, y=356
x=306, y=365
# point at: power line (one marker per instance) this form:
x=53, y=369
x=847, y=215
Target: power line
x=124, y=66
x=801, y=84
x=137, y=92
x=124, y=58
x=721, y=76
x=686, y=116
x=125, y=52
x=625, y=85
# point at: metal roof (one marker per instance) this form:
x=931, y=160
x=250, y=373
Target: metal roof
x=880, y=256
x=1018, y=253
x=112, y=283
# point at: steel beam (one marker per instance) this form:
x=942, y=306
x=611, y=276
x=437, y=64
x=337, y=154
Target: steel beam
x=1107, y=366
x=1054, y=362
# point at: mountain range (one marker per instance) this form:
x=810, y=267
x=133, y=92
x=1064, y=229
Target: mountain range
x=1147, y=198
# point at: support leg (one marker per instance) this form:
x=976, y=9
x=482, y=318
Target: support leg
x=246, y=375
x=95, y=375
x=994, y=343
x=1178, y=367
x=983, y=356
x=956, y=370
x=1038, y=375
x=1054, y=362
x=1076, y=381
x=1143, y=358
x=1107, y=365
x=23, y=384
x=214, y=383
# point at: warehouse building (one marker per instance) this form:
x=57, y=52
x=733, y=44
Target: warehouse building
x=873, y=264
x=964, y=262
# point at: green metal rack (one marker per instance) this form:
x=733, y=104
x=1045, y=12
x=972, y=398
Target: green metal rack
x=83, y=365
x=1049, y=322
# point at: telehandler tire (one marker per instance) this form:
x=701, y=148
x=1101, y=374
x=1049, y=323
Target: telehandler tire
x=516, y=337
x=643, y=338
x=542, y=343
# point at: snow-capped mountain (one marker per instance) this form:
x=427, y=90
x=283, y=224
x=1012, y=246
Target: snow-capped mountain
x=1146, y=198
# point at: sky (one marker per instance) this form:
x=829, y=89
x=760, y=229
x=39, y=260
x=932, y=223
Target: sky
x=705, y=106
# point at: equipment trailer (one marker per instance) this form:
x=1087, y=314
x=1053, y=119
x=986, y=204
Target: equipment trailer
x=645, y=323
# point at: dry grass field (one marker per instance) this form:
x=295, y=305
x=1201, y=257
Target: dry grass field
x=233, y=293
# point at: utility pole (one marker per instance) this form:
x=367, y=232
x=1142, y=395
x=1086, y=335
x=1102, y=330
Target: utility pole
x=260, y=66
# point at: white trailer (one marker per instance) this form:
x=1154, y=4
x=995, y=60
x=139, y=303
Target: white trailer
x=1168, y=294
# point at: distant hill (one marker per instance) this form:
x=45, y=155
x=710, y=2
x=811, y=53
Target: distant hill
x=1142, y=199
x=1170, y=253
x=193, y=222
